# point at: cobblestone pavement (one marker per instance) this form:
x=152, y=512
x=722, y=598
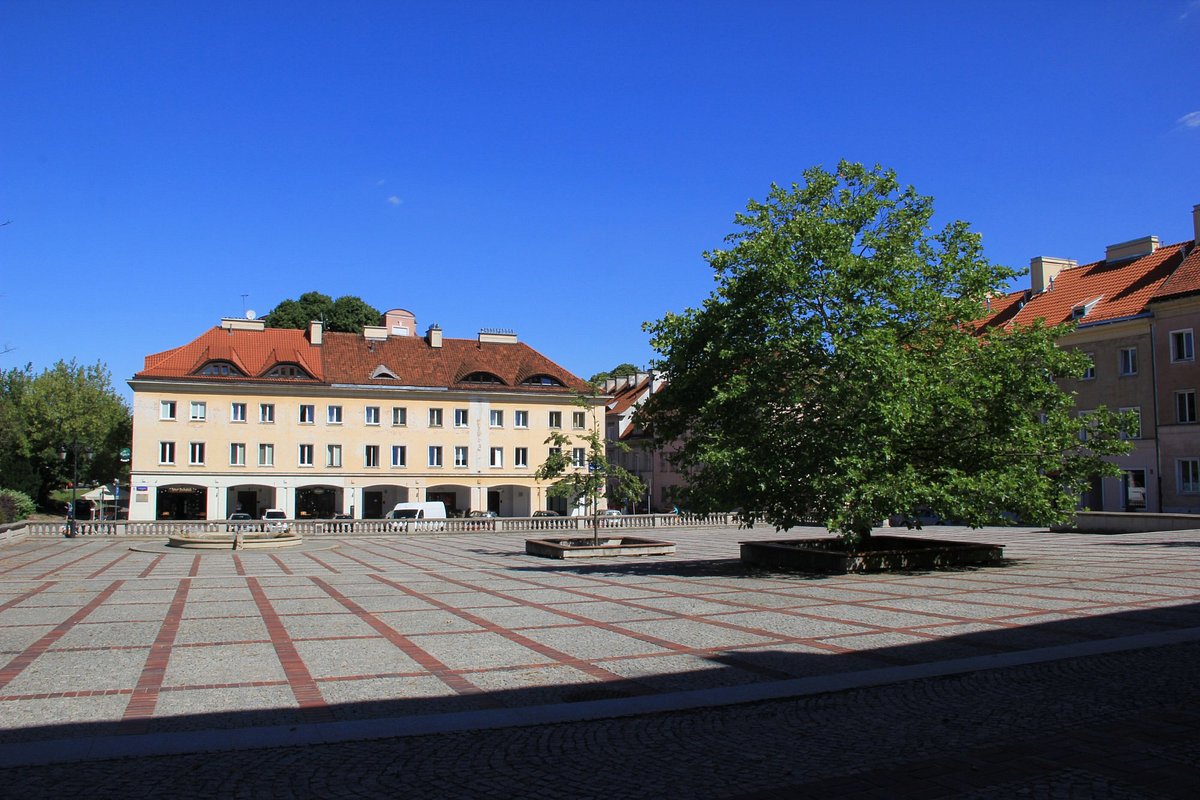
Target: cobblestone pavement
x=102, y=644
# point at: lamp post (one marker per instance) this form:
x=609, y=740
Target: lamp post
x=74, y=447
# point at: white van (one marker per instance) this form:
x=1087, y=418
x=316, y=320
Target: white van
x=429, y=516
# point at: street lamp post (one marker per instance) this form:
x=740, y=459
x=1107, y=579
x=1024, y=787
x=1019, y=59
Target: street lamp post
x=74, y=448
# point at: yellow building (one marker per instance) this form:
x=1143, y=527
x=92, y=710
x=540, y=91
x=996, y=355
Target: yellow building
x=246, y=418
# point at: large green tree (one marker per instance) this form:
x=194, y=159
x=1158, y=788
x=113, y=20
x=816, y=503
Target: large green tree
x=835, y=375
x=347, y=314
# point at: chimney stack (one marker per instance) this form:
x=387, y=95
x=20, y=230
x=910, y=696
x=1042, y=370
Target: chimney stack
x=1044, y=269
x=1196, y=224
x=316, y=332
x=434, y=335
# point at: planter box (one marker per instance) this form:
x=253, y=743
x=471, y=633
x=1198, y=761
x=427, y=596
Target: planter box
x=582, y=547
x=885, y=553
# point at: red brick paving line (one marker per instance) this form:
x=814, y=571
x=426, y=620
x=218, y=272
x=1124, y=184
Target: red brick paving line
x=557, y=656
x=195, y=570
x=22, y=553
x=109, y=565
x=238, y=567
x=304, y=688
x=145, y=694
x=427, y=660
x=311, y=557
x=15, y=667
x=22, y=598
x=61, y=567
x=282, y=566
x=150, y=567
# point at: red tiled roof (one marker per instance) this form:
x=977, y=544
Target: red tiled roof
x=347, y=358
x=1118, y=290
x=1184, y=280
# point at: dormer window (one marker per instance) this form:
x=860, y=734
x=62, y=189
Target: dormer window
x=292, y=371
x=383, y=372
x=1083, y=309
x=482, y=377
x=222, y=369
x=541, y=380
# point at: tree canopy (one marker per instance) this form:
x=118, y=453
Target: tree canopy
x=347, y=314
x=616, y=372
x=836, y=374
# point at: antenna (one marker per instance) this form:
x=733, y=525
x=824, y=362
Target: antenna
x=244, y=305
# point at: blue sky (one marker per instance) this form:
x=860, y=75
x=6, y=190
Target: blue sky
x=557, y=168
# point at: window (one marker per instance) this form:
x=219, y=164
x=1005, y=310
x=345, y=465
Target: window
x=1089, y=372
x=1189, y=476
x=1185, y=406
x=304, y=455
x=266, y=455
x=497, y=418
x=266, y=412
x=460, y=456
x=307, y=415
x=1182, y=348
x=199, y=410
x=399, y=416
x=578, y=420
x=541, y=380
x=196, y=453
x=166, y=409
x=435, y=418
x=1128, y=361
x=222, y=368
x=334, y=415
x=554, y=451
x=399, y=455
x=237, y=454
x=1085, y=426
x=521, y=419
x=435, y=456
x=371, y=455
x=521, y=457
x=578, y=457
x=460, y=417
x=166, y=452
x=1134, y=429
x=333, y=455
x=371, y=415
x=287, y=371
x=497, y=457
x=237, y=412
x=555, y=419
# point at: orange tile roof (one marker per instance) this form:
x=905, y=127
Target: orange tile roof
x=347, y=358
x=1118, y=290
x=1184, y=280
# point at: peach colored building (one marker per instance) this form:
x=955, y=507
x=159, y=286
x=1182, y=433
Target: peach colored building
x=660, y=478
x=317, y=423
x=1136, y=312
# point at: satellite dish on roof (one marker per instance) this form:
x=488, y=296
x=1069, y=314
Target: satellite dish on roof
x=250, y=314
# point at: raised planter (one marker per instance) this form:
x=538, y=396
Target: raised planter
x=883, y=553
x=585, y=547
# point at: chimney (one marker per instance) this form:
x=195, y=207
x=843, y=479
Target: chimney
x=1134, y=248
x=316, y=332
x=1044, y=269
x=434, y=335
x=1196, y=224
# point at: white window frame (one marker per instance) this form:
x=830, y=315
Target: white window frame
x=333, y=415
x=435, y=455
x=196, y=454
x=462, y=417
x=461, y=456
x=1185, y=402
x=371, y=415
x=496, y=418
x=166, y=452
x=237, y=454
x=521, y=457
x=266, y=455
x=435, y=418
x=1187, y=475
x=266, y=413
x=399, y=416
x=199, y=411
x=237, y=412
x=521, y=419
x=371, y=456
x=1089, y=373
x=1182, y=340
x=333, y=455
x=578, y=420
x=1127, y=361
x=399, y=455
x=496, y=457
x=578, y=457
x=304, y=455
x=308, y=414
x=166, y=409
x=554, y=419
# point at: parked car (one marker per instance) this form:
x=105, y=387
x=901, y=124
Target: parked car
x=610, y=516
x=240, y=521
x=275, y=521
x=483, y=514
x=545, y=513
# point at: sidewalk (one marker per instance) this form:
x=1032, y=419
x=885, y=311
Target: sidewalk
x=1087, y=643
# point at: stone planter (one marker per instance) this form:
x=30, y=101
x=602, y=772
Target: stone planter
x=583, y=547
x=885, y=553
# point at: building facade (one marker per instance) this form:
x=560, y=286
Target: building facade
x=1135, y=313
x=246, y=418
x=625, y=395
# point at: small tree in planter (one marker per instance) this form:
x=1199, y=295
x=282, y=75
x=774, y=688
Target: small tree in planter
x=584, y=484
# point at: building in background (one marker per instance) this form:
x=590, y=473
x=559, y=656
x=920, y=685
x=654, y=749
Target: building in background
x=626, y=394
x=246, y=418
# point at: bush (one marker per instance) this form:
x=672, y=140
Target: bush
x=14, y=506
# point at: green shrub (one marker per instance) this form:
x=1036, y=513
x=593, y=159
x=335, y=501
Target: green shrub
x=14, y=506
